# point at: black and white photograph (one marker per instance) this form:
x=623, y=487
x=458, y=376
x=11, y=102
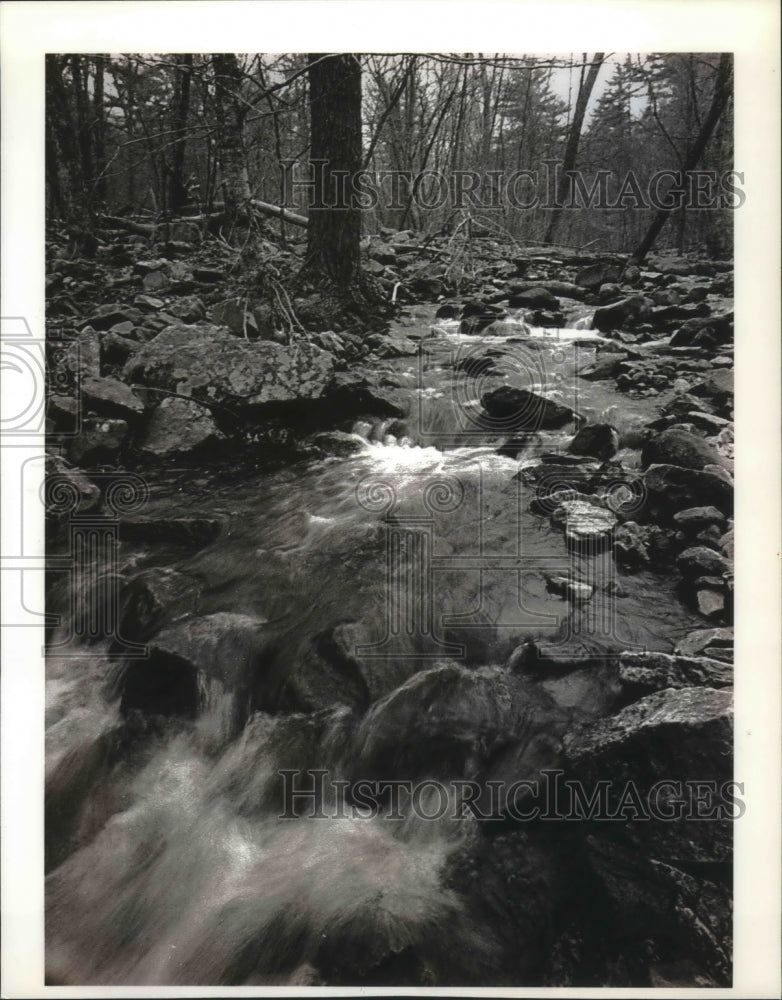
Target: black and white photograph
x=380, y=510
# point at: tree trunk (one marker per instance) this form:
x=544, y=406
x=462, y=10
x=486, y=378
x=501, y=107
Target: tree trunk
x=99, y=143
x=574, y=138
x=177, y=192
x=334, y=230
x=236, y=182
x=719, y=101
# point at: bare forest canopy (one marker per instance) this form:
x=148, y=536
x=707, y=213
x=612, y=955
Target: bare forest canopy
x=145, y=138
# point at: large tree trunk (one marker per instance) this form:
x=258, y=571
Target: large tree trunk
x=574, y=138
x=177, y=192
x=719, y=101
x=236, y=182
x=334, y=230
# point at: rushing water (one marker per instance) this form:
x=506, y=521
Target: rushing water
x=168, y=860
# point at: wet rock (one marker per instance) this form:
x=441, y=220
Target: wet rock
x=598, y=440
x=519, y=409
x=209, y=363
x=533, y=298
x=349, y=398
x=701, y=561
x=178, y=426
x=99, y=439
x=337, y=443
x=586, y=526
x=678, y=447
x=213, y=662
x=571, y=590
x=447, y=721
x=643, y=673
x=671, y=488
x=618, y=314
x=155, y=597
x=110, y=397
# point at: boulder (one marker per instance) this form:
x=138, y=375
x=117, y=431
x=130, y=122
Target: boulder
x=447, y=721
x=618, y=314
x=209, y=363
x=154, y=597
x=711, y=639
x=678, y=447
x=671, y=488
x=110, y=397
x=718, y=386
x=695, y=519
x=595, y=275
x=701, y=561
x=179, y=426
x=514, y=409
x=642, y=673
x=605, y=366
x=533, y=298
x=98, y=439
x=571, y=590
x=68, y=490
x=198, y=665
x=631, y=546
x=601, y=441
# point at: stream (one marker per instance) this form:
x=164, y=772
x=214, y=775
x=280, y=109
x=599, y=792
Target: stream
x=415, y=552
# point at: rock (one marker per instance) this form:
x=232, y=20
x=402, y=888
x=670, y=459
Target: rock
x=99, y=439
x=210, y=364
x=349, y=398
x=116, y=349
x=64, y=411
x=148, y=302
x=682, y=974
x=192, y=532
x=642, y=673
x=678, y=447
x=533, y=298
x=694, y=519
x=719, y=326
x=586, y=525
x=446, y=311
x=663, y=746
x=596, y=275
x=671, y=488
x=570, y=589
x=110, y=397
x=605, y=366
x=707, y=422
x=618, y=314
x=631, y=546
x=337, y=443
x=608, y=292
x=701, y=561
x=215, y=662
x=109, y=315
x=154, y=597
x=179, y=426
x=68, y=490
x=710, y=602
x=511, y=409
x=699, y=641
x=189, y=309
x=447, y=721
x=718, y=386
x=75, y=358
x=599, y=440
